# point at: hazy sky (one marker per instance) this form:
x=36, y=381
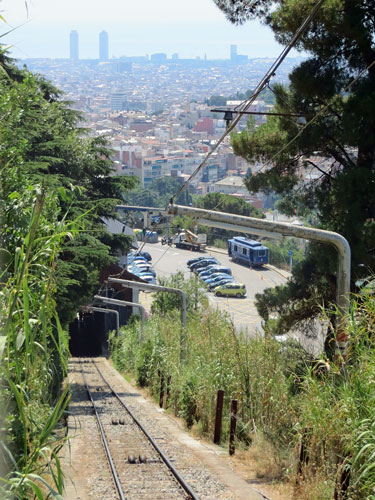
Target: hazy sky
x=135, y=27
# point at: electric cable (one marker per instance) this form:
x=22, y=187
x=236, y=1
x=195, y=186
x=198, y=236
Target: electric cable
x=244, y=106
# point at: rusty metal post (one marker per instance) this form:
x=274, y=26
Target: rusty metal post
x=161, y=395
x=233, y=423
x=219, y=414
x=303, y=456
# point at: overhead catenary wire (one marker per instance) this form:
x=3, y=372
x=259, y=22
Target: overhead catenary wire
x=244, y=106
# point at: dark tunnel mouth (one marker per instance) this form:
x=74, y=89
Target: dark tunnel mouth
x=88, y=335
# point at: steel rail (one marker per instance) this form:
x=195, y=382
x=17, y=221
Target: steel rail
x=104, y=439
x=179, y=478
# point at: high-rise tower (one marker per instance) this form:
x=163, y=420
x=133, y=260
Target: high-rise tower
x=233, y=52
x=74, y=45
x=103, y=46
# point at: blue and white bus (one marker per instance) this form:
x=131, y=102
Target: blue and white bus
x=248, y=251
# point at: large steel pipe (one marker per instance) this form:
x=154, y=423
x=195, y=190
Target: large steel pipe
x=216, y=219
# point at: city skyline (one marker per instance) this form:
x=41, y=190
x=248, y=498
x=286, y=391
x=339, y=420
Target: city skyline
x=190, y=29
x=103, y=54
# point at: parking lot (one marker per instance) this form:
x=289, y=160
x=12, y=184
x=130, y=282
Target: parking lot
x=168, y=260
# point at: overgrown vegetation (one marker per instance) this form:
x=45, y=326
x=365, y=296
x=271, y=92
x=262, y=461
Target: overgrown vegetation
x=42, y=143
x=285, y=396
x=278, y=252
x=33, y=349
x=157, y=194
x=219, y=100
x=55, y=190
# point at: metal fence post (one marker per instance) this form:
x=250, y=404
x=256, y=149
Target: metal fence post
x=161, y=395
x=219, y=415
x=233, y=423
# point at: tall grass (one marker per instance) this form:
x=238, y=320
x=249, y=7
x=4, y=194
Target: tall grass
x=285, y=396
x=34, y=352
x=216, y=357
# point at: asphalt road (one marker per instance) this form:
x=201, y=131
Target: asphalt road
x=168, y=260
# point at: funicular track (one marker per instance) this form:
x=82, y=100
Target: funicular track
x=139, y=467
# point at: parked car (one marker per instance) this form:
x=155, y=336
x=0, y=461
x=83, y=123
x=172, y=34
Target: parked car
x=223, y=281
x=215, y=277
x=231, y=290
x=133, y=259
x=141, y=264
x=145, y=255
x=201, y=270
x=149, y=279
x=203, y=263
x=196, y=259
x=214, y=269
x=141, y=269
x=146, y=276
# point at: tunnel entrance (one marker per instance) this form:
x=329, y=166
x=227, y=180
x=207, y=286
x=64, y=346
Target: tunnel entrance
x=89, y=333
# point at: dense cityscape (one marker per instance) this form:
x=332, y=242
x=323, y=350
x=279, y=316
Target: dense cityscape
x=156, y=111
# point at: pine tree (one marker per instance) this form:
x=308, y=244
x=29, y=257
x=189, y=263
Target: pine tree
x=337, y=80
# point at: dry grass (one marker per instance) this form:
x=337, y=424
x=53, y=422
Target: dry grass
x=268, y=465
x=314, y=487
x=261, y=467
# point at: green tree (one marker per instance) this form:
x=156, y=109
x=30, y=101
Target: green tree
x=216, y=100
x=337, y=81
x=164, y=302
x=158, y=193
x=41, y=143
x=219, y=100
x=225, y=203
x=229, y=203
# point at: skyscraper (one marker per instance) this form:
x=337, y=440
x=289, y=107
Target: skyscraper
x=74, y=45
x=233, y=52
x=103, y=46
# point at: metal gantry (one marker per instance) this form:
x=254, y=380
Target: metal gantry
x=108, y=311
x=279, y=229
x=123, y=303
x=155, y=288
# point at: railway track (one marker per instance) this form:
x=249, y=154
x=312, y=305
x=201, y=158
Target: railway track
x=139, y=468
